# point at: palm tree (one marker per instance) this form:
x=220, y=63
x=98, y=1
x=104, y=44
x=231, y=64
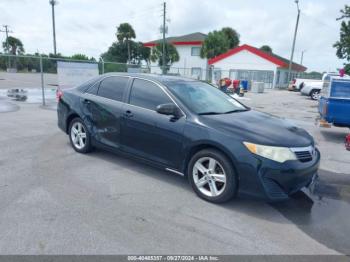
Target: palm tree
x=125, y=32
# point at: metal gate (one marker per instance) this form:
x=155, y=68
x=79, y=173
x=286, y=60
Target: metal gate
x=264, y=76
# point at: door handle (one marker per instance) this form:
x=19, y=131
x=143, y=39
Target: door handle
x=86, y=101
x=128, y=114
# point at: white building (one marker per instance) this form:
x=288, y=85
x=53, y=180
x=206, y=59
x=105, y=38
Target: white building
x=188, y=47
x=244, y=62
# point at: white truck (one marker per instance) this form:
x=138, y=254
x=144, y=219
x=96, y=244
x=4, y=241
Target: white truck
x=300, y=83
x=313, y=88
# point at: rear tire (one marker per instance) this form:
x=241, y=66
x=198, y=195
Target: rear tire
x=79, y=136
x=212, y=176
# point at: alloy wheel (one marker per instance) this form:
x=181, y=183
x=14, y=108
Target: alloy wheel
x=315, y=95
x=209, y=176
x=78, y=135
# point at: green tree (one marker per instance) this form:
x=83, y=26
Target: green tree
x=171, y=55
x=82, y=57
x=117, y=52
x=125, y=33
x=14, y=44
x=343, y=45
x=232, y=36
x=139, y=53
x=266, y=49
x=215, y=44
x=347, y=69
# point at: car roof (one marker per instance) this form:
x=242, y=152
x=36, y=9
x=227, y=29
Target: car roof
x=164, y=79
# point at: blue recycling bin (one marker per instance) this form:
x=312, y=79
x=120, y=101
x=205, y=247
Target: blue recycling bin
x=244, y=84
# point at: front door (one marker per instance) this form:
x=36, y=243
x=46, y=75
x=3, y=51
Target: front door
x=147, y=133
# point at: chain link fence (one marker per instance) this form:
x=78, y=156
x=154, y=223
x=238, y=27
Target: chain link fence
x=35, y=78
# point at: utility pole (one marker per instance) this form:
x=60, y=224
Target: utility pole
x=53, y=3
x=302, y=56
x=293, y=46
x=7, y=31
x=163, y=55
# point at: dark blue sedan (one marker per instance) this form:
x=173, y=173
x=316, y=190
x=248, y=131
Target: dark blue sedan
x=193, y=129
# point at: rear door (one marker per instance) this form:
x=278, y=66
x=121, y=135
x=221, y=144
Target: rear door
x=147, y=133
x=104, y=103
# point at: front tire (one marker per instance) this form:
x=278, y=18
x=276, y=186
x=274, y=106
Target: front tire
x=79, y=136
x=212, y=176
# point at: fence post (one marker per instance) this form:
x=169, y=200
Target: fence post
x=102, y=65
x=42, y=79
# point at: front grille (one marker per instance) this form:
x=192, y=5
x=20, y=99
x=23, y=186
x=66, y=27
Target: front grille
x=303, y=156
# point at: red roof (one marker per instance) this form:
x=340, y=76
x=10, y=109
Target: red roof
x=189, y=39
x=277, y=60
x=151, y=44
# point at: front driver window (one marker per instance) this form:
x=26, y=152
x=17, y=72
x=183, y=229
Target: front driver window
x=147, y=95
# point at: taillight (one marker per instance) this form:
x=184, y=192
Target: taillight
x=59, y=94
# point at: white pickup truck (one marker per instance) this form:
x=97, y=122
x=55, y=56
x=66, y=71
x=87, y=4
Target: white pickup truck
x=313, y=88
x=300, y=83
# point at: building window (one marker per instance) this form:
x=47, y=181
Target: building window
x=285, y=80
x=278, y=77
x=195, y=51
x=196, y=72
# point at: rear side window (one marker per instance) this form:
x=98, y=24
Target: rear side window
x=147, y=95
x=340, y=89
x=93, y=89
x=113, y=87
x=86, y=85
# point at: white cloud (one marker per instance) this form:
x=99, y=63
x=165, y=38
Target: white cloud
x=88, y=26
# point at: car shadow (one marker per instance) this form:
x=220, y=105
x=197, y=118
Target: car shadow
x=322, y=215
x=332, y=136
x=300, y=205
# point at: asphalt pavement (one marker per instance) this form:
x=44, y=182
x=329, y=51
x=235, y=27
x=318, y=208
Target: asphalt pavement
x=56, y=201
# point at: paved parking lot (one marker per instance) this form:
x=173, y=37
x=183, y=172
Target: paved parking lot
x=55, y=201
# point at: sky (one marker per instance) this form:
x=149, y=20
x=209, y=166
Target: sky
x=89, y=26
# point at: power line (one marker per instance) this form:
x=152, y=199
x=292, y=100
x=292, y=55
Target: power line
x=319, y=22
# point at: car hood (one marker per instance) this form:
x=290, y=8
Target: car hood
x=257, y=127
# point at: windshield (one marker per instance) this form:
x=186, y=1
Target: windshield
x=202, y=98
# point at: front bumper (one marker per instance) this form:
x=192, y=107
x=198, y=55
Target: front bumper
x=277, y=181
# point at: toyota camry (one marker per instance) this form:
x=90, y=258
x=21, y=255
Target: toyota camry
x=190, y=128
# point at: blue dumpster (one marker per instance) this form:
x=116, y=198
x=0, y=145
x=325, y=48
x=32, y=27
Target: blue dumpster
x=244, y=84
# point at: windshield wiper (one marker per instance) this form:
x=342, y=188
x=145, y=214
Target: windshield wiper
x=210, y=113
x=235, y=111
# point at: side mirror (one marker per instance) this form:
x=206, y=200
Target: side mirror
x=169, y=109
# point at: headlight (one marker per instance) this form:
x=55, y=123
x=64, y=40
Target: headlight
x=279, y=154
